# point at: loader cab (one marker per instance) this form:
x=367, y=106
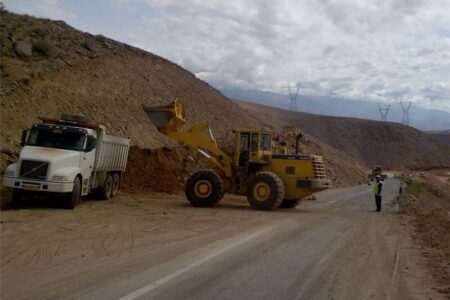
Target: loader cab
x=252, y=145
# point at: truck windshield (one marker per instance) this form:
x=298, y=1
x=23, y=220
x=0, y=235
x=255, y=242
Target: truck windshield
x=56, y=138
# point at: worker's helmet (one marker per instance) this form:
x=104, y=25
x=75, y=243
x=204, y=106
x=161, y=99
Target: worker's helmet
x=378, y=176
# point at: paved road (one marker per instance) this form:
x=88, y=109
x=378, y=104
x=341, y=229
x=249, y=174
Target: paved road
x=154, y=246
x=334, y=248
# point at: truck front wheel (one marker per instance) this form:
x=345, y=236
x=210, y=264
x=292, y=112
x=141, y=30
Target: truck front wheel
x=75, y=196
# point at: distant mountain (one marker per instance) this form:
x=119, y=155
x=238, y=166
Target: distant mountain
x=420, y=118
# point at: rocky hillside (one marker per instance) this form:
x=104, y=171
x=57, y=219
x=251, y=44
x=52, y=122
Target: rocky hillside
x=48, y=68
x=391, y=145
x=443, y=136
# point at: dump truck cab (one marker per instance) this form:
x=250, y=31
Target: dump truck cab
x=69, y=155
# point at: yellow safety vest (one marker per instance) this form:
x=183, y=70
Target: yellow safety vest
x=376, y=188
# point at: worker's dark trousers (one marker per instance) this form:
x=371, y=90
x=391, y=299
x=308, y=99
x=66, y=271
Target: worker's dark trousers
x=378, y=202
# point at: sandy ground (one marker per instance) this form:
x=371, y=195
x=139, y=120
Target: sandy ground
x=106, y=249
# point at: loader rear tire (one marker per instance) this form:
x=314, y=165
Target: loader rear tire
x=290, y=203
x=204, y=188
x=265, y=191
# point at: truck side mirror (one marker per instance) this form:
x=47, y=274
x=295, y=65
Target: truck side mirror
x=24, y=137
x=91, y=143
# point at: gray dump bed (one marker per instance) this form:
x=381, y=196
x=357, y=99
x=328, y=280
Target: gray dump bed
x=112, y=153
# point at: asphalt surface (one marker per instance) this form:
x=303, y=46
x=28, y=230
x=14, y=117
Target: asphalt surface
x=334, y=248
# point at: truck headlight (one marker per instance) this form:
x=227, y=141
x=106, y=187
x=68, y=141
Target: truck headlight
x=60, y=178
x=9, y=173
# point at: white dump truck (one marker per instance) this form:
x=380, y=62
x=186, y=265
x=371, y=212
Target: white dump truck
x=71, y=156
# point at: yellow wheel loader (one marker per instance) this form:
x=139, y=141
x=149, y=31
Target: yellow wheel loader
x=268, y=180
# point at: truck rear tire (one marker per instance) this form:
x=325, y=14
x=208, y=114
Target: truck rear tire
x=265, y=191
x=74, y=197
x=290, y=203
x=116, y=184
x=204, y=188
x=106, y=190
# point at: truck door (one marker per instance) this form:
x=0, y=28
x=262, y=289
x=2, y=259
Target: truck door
x=87, y=163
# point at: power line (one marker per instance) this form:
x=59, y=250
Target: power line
x=405, y=109
x=384, y=112
x=293, y=94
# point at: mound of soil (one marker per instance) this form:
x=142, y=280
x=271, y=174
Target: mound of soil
x=160, y=170
x=429, y=205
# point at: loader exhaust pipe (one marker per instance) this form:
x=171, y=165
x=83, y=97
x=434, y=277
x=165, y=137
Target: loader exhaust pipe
x=297, y=143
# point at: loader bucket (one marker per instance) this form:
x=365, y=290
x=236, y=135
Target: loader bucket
x=167, y=118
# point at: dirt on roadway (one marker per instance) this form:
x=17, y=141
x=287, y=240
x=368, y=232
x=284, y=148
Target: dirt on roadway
x=334, y=247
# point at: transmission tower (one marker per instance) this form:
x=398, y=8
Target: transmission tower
x=293, y=94
x=383, y=111
x=405, y=108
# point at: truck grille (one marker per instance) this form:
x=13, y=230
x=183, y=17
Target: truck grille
x=33, y=169
x=318, y=168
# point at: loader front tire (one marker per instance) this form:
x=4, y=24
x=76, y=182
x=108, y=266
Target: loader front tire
x=265, y=191
x=204, y=188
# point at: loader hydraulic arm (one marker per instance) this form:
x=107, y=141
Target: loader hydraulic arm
x=169, y=119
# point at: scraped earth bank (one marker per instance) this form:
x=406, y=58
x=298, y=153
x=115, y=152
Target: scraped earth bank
x=428, y=205
x=160, y=170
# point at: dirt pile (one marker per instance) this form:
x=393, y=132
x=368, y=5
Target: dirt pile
x=391, y=145
x=429, y=205
x=159, y=170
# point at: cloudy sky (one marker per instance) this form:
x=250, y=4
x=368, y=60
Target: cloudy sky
x=383, y=50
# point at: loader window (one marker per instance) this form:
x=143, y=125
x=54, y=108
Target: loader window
x=254, y=142
x=244, y=148
x=265, y=142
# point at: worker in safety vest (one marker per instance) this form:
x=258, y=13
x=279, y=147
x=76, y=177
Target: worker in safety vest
x=283, y=147
x=377, y=192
